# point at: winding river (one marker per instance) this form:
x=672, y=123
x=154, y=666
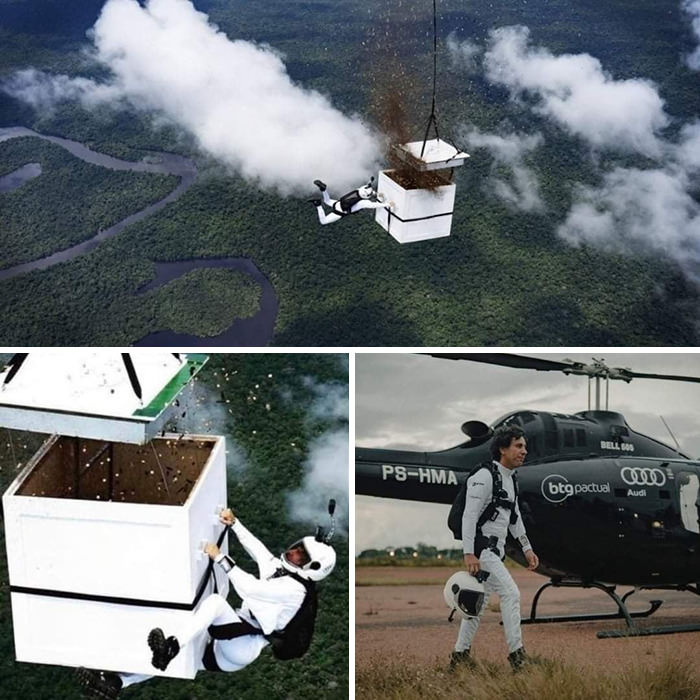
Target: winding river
x=253, y=331
x=18, y=177
x=243, y=332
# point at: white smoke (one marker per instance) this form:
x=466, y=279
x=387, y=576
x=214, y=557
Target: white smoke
x=200, y=410
x=577, y=93
x=326, y=476
x=463, y=54
x=234, y=97
x=331, y=400
x=326, y=466
x=692, y=8
x=521, y=190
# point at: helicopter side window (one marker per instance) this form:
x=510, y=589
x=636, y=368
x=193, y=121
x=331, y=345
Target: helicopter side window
x=568, y=437
x=533, y=446
x=689, y=492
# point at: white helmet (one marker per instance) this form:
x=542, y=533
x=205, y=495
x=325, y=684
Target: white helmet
x=464, y=594
x=316, y=562
x=366, y=191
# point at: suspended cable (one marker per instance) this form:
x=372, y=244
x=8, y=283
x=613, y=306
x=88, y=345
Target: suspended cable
x=432, y=120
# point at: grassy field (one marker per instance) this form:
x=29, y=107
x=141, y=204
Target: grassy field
x=667, y=679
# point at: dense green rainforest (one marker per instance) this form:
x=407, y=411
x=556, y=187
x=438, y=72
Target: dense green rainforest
x=503, y=277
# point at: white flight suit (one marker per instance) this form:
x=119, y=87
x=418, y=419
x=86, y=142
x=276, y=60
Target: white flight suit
x=332, y=216
x=268, y=604
x=479, y=490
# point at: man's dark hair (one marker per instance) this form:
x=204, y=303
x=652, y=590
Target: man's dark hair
x=503, y=437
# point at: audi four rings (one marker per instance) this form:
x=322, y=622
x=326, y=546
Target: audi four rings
x=643, y=476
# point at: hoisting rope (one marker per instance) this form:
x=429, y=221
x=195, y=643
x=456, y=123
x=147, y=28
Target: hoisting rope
x=433, y=118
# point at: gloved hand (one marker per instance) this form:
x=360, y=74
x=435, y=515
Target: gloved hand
x=226, y=517
x=212, y=550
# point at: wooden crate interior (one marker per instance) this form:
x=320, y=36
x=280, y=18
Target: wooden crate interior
x=163, y=471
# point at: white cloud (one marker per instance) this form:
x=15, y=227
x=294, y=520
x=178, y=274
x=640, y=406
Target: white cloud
x=687, y=153
x=692, y=8
x=234, y=97
x=635, y=208
x=521, y=190
x=577, y=93
x=631, y=210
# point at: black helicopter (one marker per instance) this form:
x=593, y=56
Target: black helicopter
x=603, y=504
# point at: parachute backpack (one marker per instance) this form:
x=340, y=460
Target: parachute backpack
x=295, y=639
x=498, y=500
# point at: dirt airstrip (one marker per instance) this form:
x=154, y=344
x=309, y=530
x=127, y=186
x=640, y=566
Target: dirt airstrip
x=400, y=615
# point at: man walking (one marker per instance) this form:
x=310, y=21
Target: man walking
x=484, y=542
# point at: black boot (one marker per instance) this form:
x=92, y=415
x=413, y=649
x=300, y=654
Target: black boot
x=461, y=658
x=164, y=650
x=518, y=658
x=98, y=684
x=316, y=201
x=321, y=185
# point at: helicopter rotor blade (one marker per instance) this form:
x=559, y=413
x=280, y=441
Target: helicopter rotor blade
x=511, y=360
x=597, y=368
x=647, y=375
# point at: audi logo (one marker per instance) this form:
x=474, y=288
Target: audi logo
x=643, y=476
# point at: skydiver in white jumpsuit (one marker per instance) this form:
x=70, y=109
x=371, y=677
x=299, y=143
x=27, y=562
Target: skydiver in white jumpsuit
x=331, y=210
x=270, y=601
x=509, y=450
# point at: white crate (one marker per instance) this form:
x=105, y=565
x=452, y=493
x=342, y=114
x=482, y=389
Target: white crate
x=89, y=578
x=417, y=214
x=88, y=393
x=431, y=155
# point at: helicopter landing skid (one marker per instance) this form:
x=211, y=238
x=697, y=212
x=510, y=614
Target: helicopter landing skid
x=622, y=611
x=649, y=631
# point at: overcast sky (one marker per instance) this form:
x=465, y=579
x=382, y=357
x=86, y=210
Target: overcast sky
x=417, y=402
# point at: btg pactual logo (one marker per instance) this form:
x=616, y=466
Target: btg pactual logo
x=556, y=488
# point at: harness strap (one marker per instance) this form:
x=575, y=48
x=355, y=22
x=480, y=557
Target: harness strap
x=209, y=658
x=497, y=501
x=231, y=630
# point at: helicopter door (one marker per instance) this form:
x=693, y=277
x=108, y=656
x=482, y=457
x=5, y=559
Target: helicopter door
x=689, y=492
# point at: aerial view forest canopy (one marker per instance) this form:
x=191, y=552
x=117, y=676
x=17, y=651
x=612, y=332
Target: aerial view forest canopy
x=576, y=218
x=285, y=419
